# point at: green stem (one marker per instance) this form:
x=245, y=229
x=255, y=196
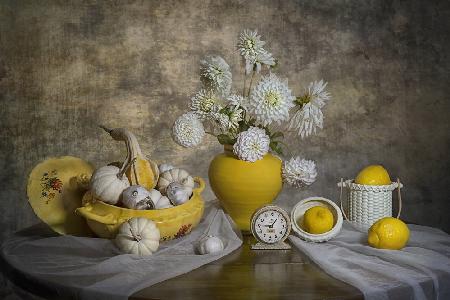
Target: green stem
x=245, y=81
x=251, y=81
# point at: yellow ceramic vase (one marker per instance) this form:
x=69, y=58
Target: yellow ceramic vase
x=242, y=186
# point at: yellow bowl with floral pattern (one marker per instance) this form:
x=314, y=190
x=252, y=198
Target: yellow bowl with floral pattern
x=105, y=219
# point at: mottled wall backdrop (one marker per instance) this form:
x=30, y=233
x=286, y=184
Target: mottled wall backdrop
x=66, y=66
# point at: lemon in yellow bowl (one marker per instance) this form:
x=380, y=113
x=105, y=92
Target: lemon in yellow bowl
x=317, y=220
x=373, y=175
x=388, y=233
x=105, y=219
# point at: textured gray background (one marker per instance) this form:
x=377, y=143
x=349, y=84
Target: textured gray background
x=66, y=66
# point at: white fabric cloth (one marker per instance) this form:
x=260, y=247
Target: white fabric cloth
x=419, y=271
x=93, y=268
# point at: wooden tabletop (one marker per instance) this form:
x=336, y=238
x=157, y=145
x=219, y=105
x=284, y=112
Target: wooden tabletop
x=250, y=274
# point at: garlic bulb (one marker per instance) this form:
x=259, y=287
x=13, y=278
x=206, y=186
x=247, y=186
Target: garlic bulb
x=164, y=167
x=210, y=245
x=137, y=197
x=163, y=202
x=178, y=193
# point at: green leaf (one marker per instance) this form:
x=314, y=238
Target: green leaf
x=276, y=147
x=225, y=139
x=243, y=126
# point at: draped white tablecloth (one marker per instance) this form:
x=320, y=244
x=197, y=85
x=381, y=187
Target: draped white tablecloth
x=419, y=271
x=93, y=268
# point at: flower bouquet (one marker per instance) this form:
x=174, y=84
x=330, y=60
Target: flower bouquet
x=251, y=125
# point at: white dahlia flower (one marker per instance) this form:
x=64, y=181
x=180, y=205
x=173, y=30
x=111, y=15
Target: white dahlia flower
x=309, y=116
x=299, y=172
x=215, y=75
x=188, y=130
x=271, y=100
x=251, y=145
x=251, y=48
x=238, y=100
x=264, y=58
x=204, y=103
x=228, y=119
x=250, y=44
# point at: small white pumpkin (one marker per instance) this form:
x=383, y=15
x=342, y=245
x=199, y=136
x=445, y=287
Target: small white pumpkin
x=138, y=197
x=210, y=245
x=107, y=184
x=164, y=167
x=174, y=175
x=178, y=193
x=163, y=202
x=138, y=236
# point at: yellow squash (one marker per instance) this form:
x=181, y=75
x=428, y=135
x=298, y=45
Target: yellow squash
x=144, y=171
x=242, y=186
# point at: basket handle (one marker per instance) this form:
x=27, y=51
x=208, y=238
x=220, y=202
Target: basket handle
x=340, y=199
x=399, y=198
x=398, y=193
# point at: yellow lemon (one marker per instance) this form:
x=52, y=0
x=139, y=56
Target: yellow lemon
x=318, y=219
x=388, y=233
x=373, y=175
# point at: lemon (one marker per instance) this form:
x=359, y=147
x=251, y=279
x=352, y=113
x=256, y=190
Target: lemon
x=373, y=175
x=388, y=233
x=318, y=219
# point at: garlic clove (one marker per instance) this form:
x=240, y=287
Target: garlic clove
x=210, y=245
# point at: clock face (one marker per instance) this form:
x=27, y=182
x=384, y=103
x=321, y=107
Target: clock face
x=270, y=225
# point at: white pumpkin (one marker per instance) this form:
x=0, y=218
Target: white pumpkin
x=164, y=167
x=107, y=184
x=210, y=245
x=178, y=193
x=174, y=175
x=138, y=197
x=163, y=202
x=138, y=236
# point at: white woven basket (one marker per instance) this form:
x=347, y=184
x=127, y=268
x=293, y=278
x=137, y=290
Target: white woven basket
x=297, y=218
x=366, y=204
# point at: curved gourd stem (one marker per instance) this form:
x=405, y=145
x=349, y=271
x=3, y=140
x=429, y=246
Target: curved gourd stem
x=135, y=173
x=125, y=168
x=105, y=129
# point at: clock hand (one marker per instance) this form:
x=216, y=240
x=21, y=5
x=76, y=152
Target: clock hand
x=271, y=226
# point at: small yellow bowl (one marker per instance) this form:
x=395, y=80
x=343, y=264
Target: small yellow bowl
x=105, y=219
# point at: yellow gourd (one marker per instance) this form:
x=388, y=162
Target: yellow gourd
x=143, y=172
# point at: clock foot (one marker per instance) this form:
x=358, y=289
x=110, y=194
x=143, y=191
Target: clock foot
x=276, y=246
